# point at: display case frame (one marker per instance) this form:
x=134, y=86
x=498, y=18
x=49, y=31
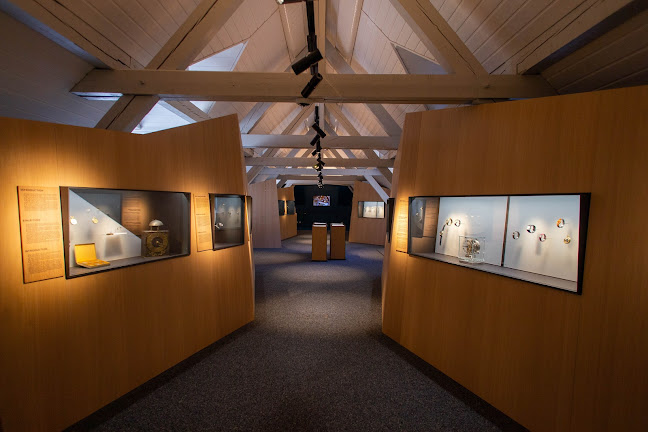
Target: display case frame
x=500, y=262
x=365, y=209
x=225, y=237
x=290, y=207
x=282, y=207
x=389, y=210
x=168, y=244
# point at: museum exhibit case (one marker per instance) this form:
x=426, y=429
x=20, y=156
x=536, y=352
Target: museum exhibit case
x=536, y=238
x=105, y=229
x=371, y=209
x=290, y=207
x=227, y=220
x=282, y=207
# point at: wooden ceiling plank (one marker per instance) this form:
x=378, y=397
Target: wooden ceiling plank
x=562, y=31
x=310, y=161
x=63, y=21
x=438, y=37
x=281, y=87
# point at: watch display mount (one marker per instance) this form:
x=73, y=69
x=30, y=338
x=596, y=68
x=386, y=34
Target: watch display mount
x=537, y=238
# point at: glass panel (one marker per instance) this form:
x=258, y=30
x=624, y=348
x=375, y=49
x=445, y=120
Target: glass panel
x=228, y=222
x=290, y=207
x=110, y=228
x=371, y=209
x=537, y=238
x=282, y=207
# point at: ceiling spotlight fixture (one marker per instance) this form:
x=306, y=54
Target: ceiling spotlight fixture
x=306, y=62
x=315, y=140
x=310, y=86
x=319, y=130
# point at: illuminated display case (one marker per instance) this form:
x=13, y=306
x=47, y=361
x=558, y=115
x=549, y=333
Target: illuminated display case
x=290, y=207
x=371, y=209
x=282, y=207
x=227, y=220
x=105, y=229
x=536, y=238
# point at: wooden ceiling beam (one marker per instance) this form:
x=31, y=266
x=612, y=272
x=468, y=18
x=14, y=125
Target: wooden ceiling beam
x=325, y=172
x=283, y=87
x=330, y=142
x=383, y=117
x=310, y=161
x=438, y=37
x=177, y=53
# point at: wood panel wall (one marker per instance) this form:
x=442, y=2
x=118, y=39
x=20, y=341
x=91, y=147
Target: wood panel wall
x=287, y=223
x=265, y=215
x=552, y=360
x=364, y=230
x=68, y=347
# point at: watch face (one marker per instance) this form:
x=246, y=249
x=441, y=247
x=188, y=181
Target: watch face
x=157, y=244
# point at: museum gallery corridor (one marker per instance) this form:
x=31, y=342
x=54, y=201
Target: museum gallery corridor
x=314, y=359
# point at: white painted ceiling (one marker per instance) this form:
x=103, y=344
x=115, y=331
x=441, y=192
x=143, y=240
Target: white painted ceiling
x=577, y=45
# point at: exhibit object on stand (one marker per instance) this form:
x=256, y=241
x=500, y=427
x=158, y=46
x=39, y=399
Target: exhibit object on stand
x=122, y=227
x=542, y=246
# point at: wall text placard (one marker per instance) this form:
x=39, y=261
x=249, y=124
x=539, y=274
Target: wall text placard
x=40, y=233
x=203, y=223
x=401, y=225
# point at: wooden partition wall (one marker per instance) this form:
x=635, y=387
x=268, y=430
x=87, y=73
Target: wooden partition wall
x=68, y=347
x=265, y=215
x=363, y=230
x=552, y=360
x=287, y=223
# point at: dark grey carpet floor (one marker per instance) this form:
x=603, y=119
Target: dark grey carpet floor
x=313, y=360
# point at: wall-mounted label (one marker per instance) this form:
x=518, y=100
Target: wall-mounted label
x=40, y=233
x=401, y=225
x=203, y=223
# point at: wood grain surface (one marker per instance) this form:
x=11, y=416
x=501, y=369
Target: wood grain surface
x=552, y=360
x=69, y=347
x=365, y=230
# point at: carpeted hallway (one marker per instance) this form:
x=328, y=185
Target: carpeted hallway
x=313, y=360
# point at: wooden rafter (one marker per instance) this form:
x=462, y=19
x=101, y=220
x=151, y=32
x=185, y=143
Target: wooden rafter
x=330, y=142
x=310, y=161
x=177, y=53
x=282, y=87
x=438, y=37
x=383, y=117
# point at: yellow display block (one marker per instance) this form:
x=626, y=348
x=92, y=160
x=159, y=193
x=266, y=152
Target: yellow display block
x=86, y=256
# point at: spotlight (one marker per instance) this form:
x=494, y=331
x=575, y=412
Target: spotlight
x=311, y=85
x=319, y=130
x=314, y=152
x=315, y=140
x=306, y=62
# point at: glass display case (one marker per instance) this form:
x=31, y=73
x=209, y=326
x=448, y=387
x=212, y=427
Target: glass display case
x=536, y=238
x=371, y=209
x=282, y=207
x=290, y=207
x=105, y=229
x=227, y=220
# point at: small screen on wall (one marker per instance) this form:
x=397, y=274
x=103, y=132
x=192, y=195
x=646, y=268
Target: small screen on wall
x=321, y=200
